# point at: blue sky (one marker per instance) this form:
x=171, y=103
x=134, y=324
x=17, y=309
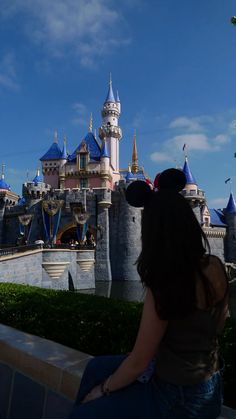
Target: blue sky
x=173, y=62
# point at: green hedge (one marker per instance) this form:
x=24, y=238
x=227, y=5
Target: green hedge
x=95, y=325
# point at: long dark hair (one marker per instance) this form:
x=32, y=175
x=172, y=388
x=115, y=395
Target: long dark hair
x=173, y=245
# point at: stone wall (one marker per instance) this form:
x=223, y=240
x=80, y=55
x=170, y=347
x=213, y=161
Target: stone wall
x=39, y=379
x=125, y=237
x=50, y=268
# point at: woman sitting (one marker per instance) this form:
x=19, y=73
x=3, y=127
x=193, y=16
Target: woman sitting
x=184, y=311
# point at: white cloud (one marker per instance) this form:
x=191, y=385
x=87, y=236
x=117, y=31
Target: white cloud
x=194, y=142
x=160, y=157
x=81, y=112
x=232, y=126
x=190, y=124
x=218, y=202
x=221, y=139
x=8, y=72
x=86, y=28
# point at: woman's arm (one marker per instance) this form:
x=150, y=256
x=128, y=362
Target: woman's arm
x=150, y=334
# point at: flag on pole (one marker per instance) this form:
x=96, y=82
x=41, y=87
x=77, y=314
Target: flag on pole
x=227, y=180
x=184, y=146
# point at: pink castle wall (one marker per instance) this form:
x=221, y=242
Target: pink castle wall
x=51, y=179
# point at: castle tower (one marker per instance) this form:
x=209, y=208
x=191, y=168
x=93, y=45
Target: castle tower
x=105, y=164
x=7, y=200
x=110, y=130
x=134, y=167
x=51, y=162
x=62, y=174
x=230, y=239
x=192, y=193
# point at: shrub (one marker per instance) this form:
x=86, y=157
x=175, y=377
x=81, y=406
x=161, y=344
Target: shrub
x=91, y=324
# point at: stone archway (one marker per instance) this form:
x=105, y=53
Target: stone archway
x=67, y=233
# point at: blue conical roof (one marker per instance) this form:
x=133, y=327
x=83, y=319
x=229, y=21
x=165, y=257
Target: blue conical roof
x=110, y=95
x=129, y=176
x=38, y=178
x=92, y=147
x=64, y=151
x=104, y=150
x=117, y=97
x=53, y=153
x=21, y=201
x=189, y=176
x=3, y=184
x=231, y=206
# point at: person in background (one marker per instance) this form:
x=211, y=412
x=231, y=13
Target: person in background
x=173, y=370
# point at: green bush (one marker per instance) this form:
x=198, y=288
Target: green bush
x=95, y=325
x=91, y=324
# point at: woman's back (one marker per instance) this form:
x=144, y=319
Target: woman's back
x=188, y=353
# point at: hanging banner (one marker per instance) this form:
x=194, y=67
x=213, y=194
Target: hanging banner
x=25, y=225
x=81, y=232
x=51, y=212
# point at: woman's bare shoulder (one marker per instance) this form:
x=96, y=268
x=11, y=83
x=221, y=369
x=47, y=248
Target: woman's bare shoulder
x=215, y=272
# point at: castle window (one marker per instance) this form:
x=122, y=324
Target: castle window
x=83, y=183
x=82, y=161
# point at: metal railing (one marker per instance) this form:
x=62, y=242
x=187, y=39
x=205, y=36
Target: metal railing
x=7, y=250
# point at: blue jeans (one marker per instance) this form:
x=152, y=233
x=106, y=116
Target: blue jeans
x=155, y=399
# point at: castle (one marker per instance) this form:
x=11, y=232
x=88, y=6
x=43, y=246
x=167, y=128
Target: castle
x=89, y=185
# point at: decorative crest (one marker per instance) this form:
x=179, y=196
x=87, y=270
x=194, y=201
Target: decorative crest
x=52, y=206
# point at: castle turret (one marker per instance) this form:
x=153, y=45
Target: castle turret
x=192, y=193
x=7, y=199
x=230, y=239
x=62, y=169
x=110, y=129
x=51, y=162
x=105, y=164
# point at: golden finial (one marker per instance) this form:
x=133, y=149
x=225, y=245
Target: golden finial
x=134, y=166
x=91, y=123
x=110, y=80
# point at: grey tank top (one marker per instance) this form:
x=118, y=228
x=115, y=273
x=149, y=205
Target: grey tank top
x=188, y=353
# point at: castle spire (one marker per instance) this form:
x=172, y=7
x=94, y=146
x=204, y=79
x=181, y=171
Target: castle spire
x=110, y=95
x=231, y=206
x=117, y=96
x=189, y=176
x=3, y=167
x=55, y=136
x=134, y=167
x=91, y=122
x=64, y=151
